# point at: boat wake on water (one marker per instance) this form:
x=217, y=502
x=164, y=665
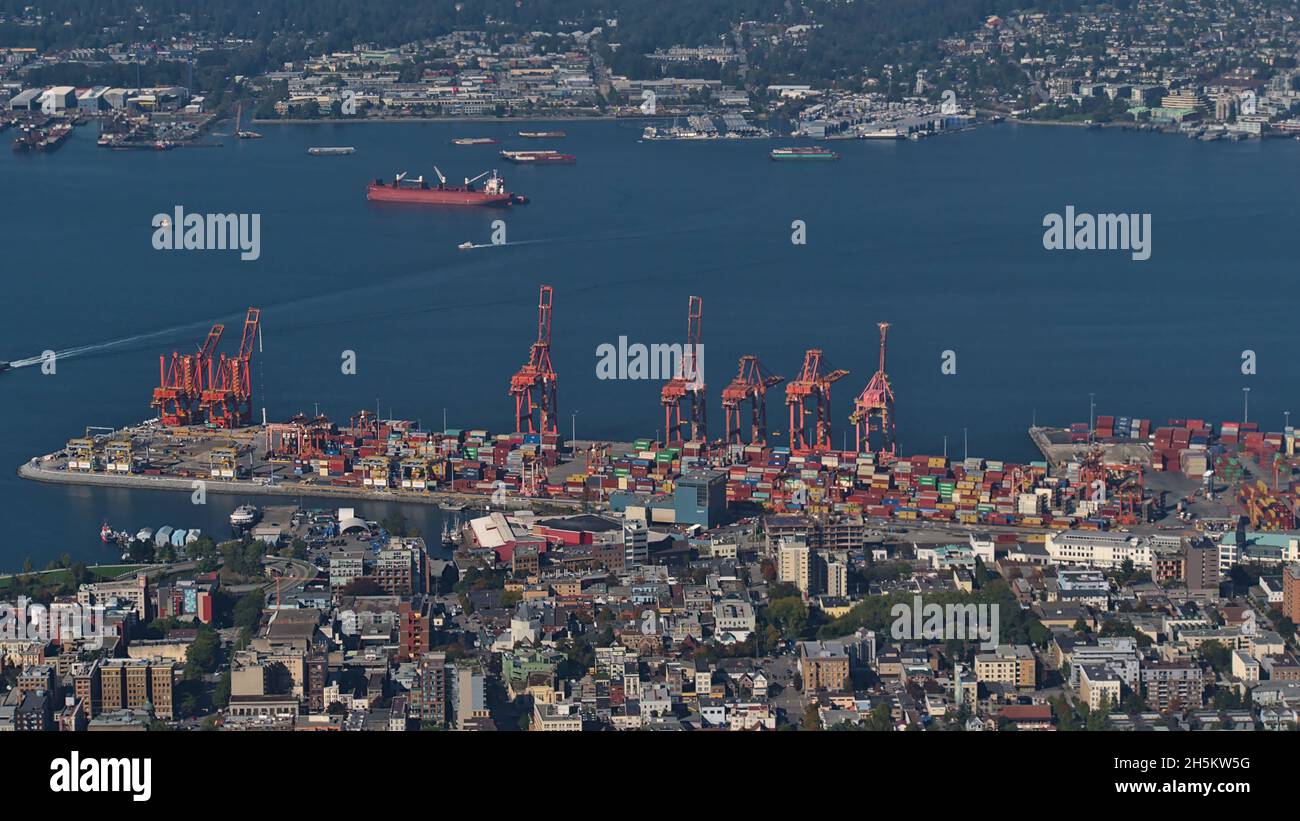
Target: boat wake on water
x=80, y=350
x=470, y=246
x=126, y=342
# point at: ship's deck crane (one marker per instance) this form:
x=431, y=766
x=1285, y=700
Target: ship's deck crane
x=533, y=385
x=750, y=385
x=873, y=410
x=228, y=401
x=688, y=385
x=814, y=382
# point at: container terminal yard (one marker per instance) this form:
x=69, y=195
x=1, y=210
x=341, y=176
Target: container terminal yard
x=1113, y=473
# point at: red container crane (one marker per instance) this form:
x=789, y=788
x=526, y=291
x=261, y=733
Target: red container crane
x=228, y=400
x=750, y=385
x=181, y=384
x=688, y=385
x=813, y=383
x=533, y=385
x=873, y=410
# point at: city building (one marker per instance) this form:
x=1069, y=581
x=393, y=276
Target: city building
x=823, y=666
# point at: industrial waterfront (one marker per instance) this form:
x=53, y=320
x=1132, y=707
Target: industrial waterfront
x=1106, y=473
x=943, y=240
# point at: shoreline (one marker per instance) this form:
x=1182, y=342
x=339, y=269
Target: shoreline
x=606, y=118
x=163, y=483
x=1096, y=126
x=538, y=119
x=1138, y=127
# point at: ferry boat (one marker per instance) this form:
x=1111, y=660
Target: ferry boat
x=883, y=134
x=804, y=153
x=245, y=516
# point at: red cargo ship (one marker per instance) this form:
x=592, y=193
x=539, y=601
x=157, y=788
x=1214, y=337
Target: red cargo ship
x=402, y=189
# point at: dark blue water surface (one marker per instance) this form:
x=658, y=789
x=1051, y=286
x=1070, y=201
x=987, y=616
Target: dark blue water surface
x=942, y=238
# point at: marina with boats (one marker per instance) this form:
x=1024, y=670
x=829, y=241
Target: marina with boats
x=46, y=136
x=312, y=526
x=707, y=127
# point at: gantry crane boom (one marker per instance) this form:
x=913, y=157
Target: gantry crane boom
x=228, y=400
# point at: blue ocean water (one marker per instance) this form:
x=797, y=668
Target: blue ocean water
x=943, y=239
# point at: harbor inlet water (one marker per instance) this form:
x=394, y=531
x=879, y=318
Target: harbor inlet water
x=941, y=238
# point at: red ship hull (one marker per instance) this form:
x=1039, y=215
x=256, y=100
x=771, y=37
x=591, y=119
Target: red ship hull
x=435, y=196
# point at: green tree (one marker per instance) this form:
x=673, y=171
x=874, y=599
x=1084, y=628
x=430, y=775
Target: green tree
x=881, y=718
x=202, y=656
x=789, y=615
x=1218, y=655
x=811, y=718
